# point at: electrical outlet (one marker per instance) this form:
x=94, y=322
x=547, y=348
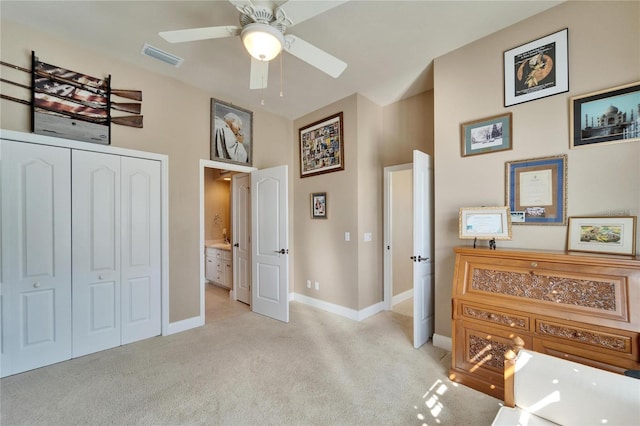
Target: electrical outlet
x=317, y=285
x=308, y=283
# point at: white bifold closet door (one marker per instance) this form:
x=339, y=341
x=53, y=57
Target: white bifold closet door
x=35, y=194
x=116, y=250
x=141, y=249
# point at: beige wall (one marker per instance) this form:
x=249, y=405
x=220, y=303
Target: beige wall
x=350, y=273
x=217, y=201
x=321, y=253
x=604, y=51
x=402, y=230
x=176, y=123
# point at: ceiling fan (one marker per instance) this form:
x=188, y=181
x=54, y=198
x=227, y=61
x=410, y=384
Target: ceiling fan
x=263, y=27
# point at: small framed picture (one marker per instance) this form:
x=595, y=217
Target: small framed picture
x=605, y=117
x=319, y=205
x=537, y=69
x=486, y=135
x=485, y=223
x=517, y=217
x=609, y=234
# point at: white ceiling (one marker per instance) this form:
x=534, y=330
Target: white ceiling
x=388, y=45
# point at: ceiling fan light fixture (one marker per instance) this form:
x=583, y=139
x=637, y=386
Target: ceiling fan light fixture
x=262, y=41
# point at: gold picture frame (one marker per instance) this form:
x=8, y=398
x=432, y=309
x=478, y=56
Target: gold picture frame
x=485, y=223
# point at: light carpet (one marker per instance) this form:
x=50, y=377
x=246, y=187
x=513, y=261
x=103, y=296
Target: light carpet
x=245, y=369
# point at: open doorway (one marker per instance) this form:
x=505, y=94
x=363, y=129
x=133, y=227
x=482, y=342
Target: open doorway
x=224, y=232
x=398, y=226
x=268, y=240
x=408, y=237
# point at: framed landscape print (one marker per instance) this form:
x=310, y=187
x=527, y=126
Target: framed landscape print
x=231, y=133
x=609, y=234
x=322, y=146
x=605, y=117
x=486, y=135
x=537, y=69
x=538, y=187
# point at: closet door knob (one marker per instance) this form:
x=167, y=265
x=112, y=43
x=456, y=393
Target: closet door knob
x=36, y=284
x=100, y=277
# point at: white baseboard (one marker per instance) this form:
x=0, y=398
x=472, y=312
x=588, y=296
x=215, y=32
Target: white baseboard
x=442, y=342
x=337, y=309
x=184, y=325
x=401, y=297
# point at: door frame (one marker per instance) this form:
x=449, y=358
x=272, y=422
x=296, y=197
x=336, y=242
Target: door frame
x=33, y=138
x=388, y=220
x=209, y=164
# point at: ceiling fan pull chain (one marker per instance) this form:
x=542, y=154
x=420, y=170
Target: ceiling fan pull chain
x=281, y=55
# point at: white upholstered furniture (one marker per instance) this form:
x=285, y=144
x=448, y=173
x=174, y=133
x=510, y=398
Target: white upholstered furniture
x=547, y=390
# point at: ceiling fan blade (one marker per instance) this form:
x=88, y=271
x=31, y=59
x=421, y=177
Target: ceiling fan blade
x=239, y=4
x=194, y=34
x=297, y=11
x=259, y=74
x=314, y=56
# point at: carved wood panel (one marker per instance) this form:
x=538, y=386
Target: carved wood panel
x=587, y=293
x=495, y=317
x=576, y=334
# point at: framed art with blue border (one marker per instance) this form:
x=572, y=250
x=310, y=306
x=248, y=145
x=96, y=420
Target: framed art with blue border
x=538, y=187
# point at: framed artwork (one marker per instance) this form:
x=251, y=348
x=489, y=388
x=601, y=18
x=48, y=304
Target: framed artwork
x=610, y=234
x=322, y=147
x=319, y=205
x=538, y=187
x=231, y=133
x=605, y=117
x=537, y=69
x=485, y=223
x=486, y=135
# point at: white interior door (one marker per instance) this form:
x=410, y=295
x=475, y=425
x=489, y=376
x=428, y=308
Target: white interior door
x=270, y=253
x=35, y=194
x=422, y=250
x=241, y=214
x=96, y=251
x=141, y=263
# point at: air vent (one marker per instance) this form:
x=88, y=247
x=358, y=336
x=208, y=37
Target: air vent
x=161, y=55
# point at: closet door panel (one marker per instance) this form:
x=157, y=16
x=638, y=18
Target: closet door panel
x=36, y=255
x=141, y=254
x=96, y=251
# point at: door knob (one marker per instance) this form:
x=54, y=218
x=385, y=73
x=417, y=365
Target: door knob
x=236, y=245
x=283, y=251
x=100, y=277
x=36, y=284
x=419, y=258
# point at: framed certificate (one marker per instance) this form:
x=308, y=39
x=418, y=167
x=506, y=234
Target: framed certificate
x=485, y=223
x=537, y=190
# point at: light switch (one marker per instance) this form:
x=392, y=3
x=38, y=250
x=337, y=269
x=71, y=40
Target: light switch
x=347, y=236
x=368, y=236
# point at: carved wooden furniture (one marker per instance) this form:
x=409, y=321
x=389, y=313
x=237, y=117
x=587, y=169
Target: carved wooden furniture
x=581, y=307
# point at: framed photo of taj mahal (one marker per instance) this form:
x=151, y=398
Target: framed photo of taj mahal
x=605, y=117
